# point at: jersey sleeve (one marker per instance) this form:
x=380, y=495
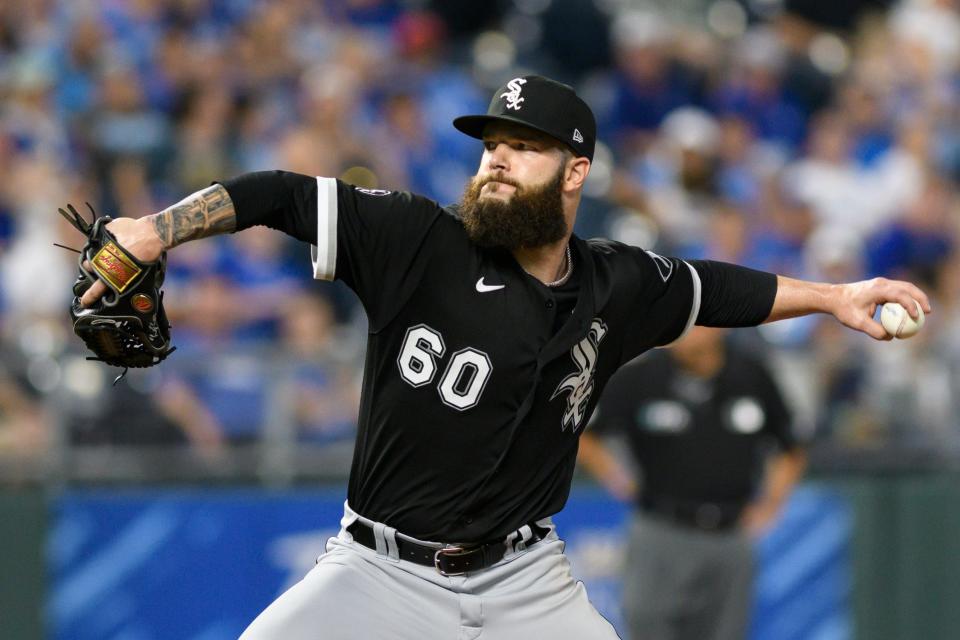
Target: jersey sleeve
x=734, y=296
x=370, y=239
x=666, y=303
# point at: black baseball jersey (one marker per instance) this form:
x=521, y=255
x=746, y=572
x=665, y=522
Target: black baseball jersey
x=474, y=389
x=695, y=439
x=478, y=377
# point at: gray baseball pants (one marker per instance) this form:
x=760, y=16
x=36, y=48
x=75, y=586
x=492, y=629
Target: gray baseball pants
x=682, y=583
x=356, y=593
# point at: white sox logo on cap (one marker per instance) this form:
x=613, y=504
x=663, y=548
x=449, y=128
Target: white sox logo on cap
x=540, y=104
x=513, y=95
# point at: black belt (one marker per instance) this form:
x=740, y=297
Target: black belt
x=706, y=516
x=449, y=560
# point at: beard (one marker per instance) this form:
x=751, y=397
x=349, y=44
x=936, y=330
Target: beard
x=532, y=218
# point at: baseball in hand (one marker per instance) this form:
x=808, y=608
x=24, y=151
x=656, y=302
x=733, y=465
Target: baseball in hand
x=898, y=322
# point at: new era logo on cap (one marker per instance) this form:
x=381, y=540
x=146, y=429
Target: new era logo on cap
x=542, y=104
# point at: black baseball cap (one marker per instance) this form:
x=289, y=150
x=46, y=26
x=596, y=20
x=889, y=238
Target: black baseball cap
x=542, y=104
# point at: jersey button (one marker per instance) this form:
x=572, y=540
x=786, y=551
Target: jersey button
x=549, y=304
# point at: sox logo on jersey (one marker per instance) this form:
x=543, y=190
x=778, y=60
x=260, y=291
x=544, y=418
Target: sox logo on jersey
x=579, y=385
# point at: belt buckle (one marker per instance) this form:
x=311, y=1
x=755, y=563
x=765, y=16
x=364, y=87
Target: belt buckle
x=447, y=552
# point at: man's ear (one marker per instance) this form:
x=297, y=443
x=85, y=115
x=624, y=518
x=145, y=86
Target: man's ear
x=575, y=173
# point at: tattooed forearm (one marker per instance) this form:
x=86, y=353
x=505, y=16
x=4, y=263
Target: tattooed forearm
x=205, y=213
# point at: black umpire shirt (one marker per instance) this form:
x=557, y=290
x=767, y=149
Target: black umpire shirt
x=478, y=378
x=696, y=440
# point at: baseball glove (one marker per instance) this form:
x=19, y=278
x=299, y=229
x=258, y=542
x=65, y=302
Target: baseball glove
x=128, y=326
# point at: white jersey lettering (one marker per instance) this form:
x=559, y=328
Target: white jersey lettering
x=579, y=385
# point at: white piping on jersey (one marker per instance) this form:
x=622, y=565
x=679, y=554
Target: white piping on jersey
x=324, y=252
x=695, y=305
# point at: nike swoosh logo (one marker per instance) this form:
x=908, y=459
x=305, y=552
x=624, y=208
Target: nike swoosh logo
x=484, y=288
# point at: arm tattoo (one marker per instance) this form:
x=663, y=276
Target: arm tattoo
x=205, y=213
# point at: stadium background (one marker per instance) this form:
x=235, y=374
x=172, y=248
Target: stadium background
x=815, y=138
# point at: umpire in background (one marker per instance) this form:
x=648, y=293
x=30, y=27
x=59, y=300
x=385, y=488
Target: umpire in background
x=701, y=420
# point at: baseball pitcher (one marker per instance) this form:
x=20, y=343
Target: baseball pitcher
x=492, y=331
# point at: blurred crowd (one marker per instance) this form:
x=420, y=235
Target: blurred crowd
x=803, y=137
